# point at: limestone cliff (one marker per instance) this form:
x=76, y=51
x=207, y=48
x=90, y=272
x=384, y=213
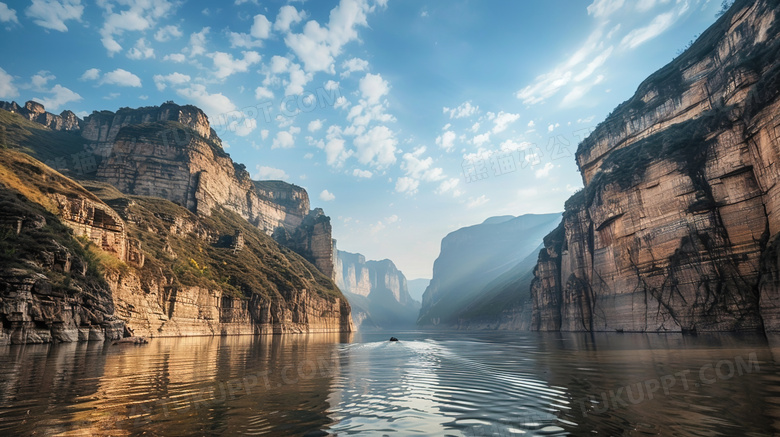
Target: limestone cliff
x=83, y=265
x=377, y=292
x=677, y=226
x=34, y=111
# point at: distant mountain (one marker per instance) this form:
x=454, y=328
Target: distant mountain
x=481, y=269
x=417, y=288
x=377, y=291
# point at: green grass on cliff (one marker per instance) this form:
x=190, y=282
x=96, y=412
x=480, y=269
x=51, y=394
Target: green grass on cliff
x=202, y=255
x=19, y=133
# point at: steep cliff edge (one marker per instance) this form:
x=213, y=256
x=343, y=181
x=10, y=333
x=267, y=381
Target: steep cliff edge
x=471, y=260
x=377, y=292
x=677, y=226
x=83, y=265
x=171, y=152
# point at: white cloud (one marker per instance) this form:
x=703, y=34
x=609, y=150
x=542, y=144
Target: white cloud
x=421, y=168
x=140, y=51
x=503, y=120
x=175, y=57
x=353, y=65
x=140, y=16
x=265, y=173
x=331, y=85
x=60, y=96
x=7, y=15
x=373, y=87
x=465, y=109
x=531, y=124
x=659, y=25
x=376, y=147
x=212, y=104
x=407, y=185
x=285, y=139
x=481, y=139
x=167, y=33
x=477, y=202
x=244, y=127
x=198, y=42
x=121, y=77
x=362, y=173
x=449, y=186
x=243, y=40
x=336, y=152
x=52, y=14
x=226, y=65
x=91, y=74
x=446, y=140
x=604, y=8
x=327, y=196
x=172, y=79
x=552, y=127
x=314, y=125
x=7, y=88
x=341, y=102
x=287, y=16
x=544, y=171
x=318, y=46
x=262, y=93
x=261, y=27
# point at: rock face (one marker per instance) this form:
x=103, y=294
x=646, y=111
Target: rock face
x=377, y=292
x=34, y=111
x=677, y=226
x=473, y=257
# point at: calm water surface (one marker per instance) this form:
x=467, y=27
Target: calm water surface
x=429, y=383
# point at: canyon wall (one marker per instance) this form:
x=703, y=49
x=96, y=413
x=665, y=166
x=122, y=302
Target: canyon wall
x=676, y=228
x=377, y=292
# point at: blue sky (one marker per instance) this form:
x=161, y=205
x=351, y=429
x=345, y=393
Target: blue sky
x=404, y=120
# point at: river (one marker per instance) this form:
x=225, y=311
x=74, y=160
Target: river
x=428, y=383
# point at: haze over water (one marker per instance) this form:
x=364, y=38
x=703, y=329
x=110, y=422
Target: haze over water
x=429, y=383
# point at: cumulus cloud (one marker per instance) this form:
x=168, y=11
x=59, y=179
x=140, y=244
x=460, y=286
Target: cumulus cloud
x=166, y=33
x=121, y=77
x=544, y=171
x=421, y=168
x=175, y=57
x=52, y=14
x=464, y=110
x=171, y=79
x=376, y=147
x=261, y=27
x=139, y=16
x=213, y=104
x=446, y=140
x=266, y=173
x=7, y=15
x=365, y=174
x=226, y=65
x=140, y=50
x=449, y=186
x=285, y=139
x=314, y=125
x=352, y=65
x=7, y=88
x=503, y=120
x=327, y=196
x=373, y=87
x=287, y=16
x=58, y=98
x=407, y=185
x=263, y=93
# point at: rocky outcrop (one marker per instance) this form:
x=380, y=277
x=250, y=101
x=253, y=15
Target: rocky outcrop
x=472, y=258
x=34, y=111
x=675, y=228
x=377, y=292
x=74, y=268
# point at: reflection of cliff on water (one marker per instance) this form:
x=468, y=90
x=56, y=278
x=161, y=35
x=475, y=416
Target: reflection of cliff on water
x=670, y=384
x=231, y=385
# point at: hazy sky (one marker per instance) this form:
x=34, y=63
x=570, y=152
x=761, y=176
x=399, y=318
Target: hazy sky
x=404, y=120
